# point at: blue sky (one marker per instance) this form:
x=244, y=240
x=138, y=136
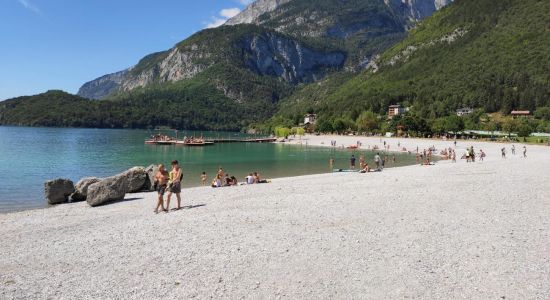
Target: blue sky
x=60, y=44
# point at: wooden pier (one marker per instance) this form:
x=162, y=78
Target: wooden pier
x=243, y=140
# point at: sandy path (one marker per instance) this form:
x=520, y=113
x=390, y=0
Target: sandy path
x=472, y=231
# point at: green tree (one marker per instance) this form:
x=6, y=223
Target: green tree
x=281, y=131
x=339, y=125
x=439, y=125
x=324, y=125
x=510, y=126
x=367, y=122
x=543, y=113
x=454, y=124
x=524, y=130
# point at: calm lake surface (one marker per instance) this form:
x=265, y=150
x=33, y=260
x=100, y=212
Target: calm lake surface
x=30, y=156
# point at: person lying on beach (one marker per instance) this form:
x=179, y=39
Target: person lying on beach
x=161, y=184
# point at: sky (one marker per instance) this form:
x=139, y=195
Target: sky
x=61, y=44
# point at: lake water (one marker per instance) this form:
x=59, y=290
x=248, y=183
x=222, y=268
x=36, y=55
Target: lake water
x=30, y=156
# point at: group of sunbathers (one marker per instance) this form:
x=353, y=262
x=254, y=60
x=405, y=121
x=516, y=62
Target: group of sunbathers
x=224, y=180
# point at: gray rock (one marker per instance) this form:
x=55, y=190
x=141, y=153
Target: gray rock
x=103, y=86
x=81, y=188
x=151, y=171
x=114, y=188
x=58, y=191
x=109, y=189
x=257, y=8
x=135, y=178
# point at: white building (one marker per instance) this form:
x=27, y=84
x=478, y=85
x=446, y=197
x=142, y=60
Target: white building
x=310, y=119
x=464, y=111
x=396, y=110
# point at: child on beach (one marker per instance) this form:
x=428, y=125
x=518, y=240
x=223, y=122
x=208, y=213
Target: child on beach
x=481, y=155
x=204, y=177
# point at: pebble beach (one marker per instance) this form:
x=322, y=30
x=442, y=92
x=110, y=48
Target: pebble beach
x=448, y=231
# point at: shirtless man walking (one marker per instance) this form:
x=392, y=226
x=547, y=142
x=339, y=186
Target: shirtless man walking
x=161, y=183
x=175, y=184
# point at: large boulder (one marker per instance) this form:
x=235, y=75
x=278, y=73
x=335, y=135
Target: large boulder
x=81, y=188
x=109, y=189
x=135, y=178
x=151, y=171
x=58, y=191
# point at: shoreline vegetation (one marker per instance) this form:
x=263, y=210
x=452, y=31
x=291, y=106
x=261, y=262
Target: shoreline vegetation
x=418, y=231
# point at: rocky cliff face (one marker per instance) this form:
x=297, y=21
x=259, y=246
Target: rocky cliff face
x=102, y=86
x=178, y=64
x=255, y=10
x=420, y=9
x=367, y=26
x=273, y=55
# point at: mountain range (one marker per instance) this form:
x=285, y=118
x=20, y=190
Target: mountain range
x=285, y=43
x=279, y=59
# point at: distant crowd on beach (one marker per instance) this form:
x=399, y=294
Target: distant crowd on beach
x=423, y=157
x=169, y=183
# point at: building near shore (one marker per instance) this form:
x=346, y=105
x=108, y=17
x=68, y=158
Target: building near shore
x=310, y=119
x=396, y=110
x=520, y=114
x=464, y=111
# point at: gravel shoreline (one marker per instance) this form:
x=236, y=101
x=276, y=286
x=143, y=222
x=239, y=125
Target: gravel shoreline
x=468, y=231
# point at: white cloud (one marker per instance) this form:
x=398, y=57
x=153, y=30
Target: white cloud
x=229, y=13
x=216, y=22
x=224, y=15
x=245, y=2
x=30, y=6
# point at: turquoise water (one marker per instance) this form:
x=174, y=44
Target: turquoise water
x=30, y=156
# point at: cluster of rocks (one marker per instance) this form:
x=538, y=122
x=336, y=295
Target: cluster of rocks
x=98, y=191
